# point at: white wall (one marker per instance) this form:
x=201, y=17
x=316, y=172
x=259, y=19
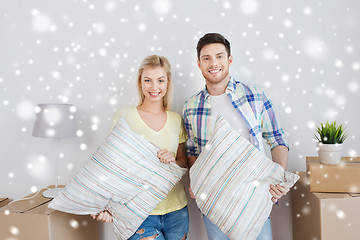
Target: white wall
x=86, y=52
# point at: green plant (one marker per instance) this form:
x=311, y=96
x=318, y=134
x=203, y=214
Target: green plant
x=330, y=133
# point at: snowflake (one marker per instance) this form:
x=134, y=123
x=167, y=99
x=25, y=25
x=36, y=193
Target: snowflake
x=249, y=7
x=161, y=7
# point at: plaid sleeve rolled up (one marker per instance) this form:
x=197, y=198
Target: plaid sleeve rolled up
x=270, y=128
x=196, y=115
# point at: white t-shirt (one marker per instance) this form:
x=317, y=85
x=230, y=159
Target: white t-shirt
x=221, y=104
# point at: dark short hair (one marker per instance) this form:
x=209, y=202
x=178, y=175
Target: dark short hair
x=210, y=38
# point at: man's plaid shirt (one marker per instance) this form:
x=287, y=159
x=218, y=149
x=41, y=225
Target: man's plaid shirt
x=251, y=103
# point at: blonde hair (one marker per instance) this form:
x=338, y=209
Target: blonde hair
x=154, y=61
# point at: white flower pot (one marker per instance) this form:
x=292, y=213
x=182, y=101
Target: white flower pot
x=329, y=153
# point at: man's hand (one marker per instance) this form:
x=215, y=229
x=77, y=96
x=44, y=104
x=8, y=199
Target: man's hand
x=191, y=193
x=103, y=216
x=277, y=192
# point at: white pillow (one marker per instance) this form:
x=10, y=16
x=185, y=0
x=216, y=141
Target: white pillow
x=231, y=179
x=125, y=177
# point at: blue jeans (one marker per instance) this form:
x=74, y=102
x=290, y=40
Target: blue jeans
x=214, y=233
x=172, y=226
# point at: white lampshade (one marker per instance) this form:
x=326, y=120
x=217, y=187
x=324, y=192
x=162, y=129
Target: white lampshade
x=55, y=121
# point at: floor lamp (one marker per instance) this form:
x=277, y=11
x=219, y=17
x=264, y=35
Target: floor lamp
x=55, y=121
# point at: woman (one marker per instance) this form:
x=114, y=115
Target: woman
x=153, y=120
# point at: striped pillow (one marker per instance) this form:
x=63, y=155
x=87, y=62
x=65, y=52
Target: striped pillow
x=125, y=177
x=231, y=180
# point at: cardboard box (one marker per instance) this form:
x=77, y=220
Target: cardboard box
x=3, y=202
x=323, y=216
x=341, y=178
x=32, y=220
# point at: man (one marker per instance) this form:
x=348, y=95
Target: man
x=247, y=109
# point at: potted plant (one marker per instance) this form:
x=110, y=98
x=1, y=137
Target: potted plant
x=330, y=140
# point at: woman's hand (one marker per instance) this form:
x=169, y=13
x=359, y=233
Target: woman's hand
x=277, y=192
x=103, y=216
x=165, y=156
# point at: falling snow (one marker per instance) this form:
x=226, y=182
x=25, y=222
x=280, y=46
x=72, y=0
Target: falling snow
x=304, y=54
x=74, y=224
